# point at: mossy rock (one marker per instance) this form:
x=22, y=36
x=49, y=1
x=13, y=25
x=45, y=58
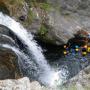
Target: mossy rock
x=43, y=30
x=43, y=34
x=4, y=9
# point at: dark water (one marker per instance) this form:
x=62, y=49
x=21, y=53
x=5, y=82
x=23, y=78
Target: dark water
x=51, y=52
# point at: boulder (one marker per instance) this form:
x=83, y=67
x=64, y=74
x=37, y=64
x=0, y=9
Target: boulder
x=19, y=84
x=9, y=67
x=81, y=81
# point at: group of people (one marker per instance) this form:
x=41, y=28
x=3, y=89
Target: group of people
x=79, y=44
x=83, y=50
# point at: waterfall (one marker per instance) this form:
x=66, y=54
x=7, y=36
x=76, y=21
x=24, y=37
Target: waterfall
x=26, y=38
x=46, y=75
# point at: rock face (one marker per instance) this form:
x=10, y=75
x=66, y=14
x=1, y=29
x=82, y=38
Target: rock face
x=20, y=84
x=9, y=68
x=80, y=81
x=68, y=17
x=75, y=6
x=63, y=19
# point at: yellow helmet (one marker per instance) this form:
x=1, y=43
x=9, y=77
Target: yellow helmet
x=84, y=53
x=77, y=49
x=65, y=52
x=88, y=49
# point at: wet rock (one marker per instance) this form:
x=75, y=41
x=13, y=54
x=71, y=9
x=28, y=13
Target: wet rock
x=80, y=81
x=8, y=37
x=9, y=67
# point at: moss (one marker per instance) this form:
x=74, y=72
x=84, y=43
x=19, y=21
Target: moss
x=30, y=2
x=39, y=3
x=30, y=15
x=29, y=19
x=43, y=34
x=43, y=30
x=46, y=39
x=45, y=6
x=18, y=2
x=14, y=6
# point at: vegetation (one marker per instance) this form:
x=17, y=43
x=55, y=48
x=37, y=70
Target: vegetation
x=14, y=8
x=39, y=3
x=43, y=30
x=43, y=34
x=29, y=19
x=45, y=6
x=18, y=2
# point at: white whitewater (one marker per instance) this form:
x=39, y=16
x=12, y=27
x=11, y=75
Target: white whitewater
x=25, y=37
x=48, y=76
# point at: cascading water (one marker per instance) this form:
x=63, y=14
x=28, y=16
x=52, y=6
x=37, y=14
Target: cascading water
x=46, y=75
x=26, y=38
